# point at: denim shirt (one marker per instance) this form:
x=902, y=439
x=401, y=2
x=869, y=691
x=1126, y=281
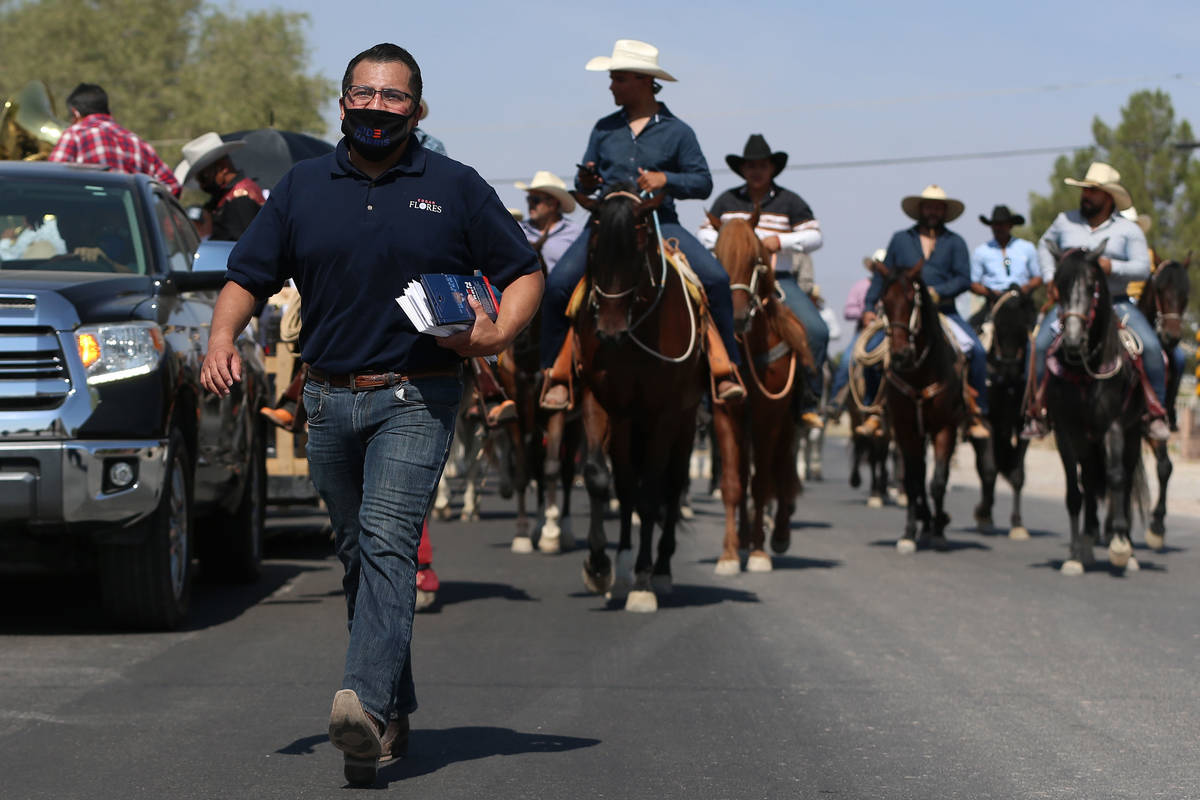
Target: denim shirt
x=1124, y=244
x=947, y=270
x=989, y=269
x=665, y=145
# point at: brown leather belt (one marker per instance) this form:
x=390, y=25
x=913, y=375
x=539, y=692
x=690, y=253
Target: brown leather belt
x=367, y=381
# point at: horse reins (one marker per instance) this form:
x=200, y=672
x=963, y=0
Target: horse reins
x=760, y=269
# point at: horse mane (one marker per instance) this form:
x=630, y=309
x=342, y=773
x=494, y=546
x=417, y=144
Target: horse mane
x=614, y=235
x=1075, y=267
x=738, y=249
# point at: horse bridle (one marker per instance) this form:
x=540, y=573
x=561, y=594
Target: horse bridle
x=756, y=302
x=1160, y=316
x=913, y=328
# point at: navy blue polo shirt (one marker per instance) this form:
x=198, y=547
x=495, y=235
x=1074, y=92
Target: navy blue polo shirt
x=947, y=270
x=352, y=244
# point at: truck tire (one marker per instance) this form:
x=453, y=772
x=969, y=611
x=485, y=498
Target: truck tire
x=231, y=547
x=149, y=584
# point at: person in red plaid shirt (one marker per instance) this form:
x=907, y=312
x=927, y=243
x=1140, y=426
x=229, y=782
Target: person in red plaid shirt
x=94, y=138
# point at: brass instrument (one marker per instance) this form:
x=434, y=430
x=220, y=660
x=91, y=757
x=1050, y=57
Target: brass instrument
x=29, y=128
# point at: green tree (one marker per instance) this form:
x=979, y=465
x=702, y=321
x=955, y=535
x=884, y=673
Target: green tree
x=1163, y=180
x=173, y=69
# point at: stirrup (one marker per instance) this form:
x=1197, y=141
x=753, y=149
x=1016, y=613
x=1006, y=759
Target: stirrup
x=547, y=385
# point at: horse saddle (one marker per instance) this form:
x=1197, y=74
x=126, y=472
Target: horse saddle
x=1131, y=342
x=675, y=260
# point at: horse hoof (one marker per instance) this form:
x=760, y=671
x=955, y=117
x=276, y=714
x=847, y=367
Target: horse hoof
x=758, y=562
x=686, y=512
x=597, y=583
x=1133, y=565
x=817, y=475
x=442, y=513
x=902, y=500
x=662, y=585
x=635, y=519
x=1071, y=567
x=1155, y=541
x=522, y=544
x=641, y=602
x=874, y=501
x=984, y=524
x=550, y=545
x=906, y=547
x=424, y=600
x=939, y=543
x=1119, y=552
x=728, y=566
x=469, y=516
x=1019, y=533
x=855, y=480
x=614, y=505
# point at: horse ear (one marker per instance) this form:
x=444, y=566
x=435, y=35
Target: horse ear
x=587, y=201
x=756, y=214
x=713, y=220
x=1094, y=254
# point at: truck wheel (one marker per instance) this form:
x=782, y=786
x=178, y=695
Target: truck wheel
x=231, y=550
x=148, y=585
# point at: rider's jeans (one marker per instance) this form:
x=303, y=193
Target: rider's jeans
x=376, y=457
x=976, y=365
x=1152, y=355
x=842, y=376
x=573, y=264
x=810, y=317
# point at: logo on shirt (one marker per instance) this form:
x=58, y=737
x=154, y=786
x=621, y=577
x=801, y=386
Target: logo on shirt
x=425, y=205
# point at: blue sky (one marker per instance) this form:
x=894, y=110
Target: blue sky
x=825, y=82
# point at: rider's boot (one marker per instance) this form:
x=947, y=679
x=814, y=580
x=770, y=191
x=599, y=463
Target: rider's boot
x=727, y=384
x=1156, y=416
x=1036, y=423
x=871, y=426
x=557, y=394
x=497, y=407
x=976, y=426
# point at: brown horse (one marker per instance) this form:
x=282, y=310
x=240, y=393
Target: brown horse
x=642, y=373
x=1163, y=302
x=761, y=430
x=923, y=389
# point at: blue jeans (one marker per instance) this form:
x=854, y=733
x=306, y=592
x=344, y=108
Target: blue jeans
x=376, y=459
x=842, y=376
x=573, y=264
x=1152, y=354
x=810, y=317
x=976, y=366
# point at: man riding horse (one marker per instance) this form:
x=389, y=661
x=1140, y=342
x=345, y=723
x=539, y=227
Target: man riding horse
x=788, y=229
x=1126, y=258
x=643, y=144
x=947, y=273
x=1002, y=263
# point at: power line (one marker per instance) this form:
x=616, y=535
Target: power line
x=885, y=162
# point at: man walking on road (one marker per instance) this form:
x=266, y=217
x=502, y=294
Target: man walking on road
x=353, y=228
x=94, y=138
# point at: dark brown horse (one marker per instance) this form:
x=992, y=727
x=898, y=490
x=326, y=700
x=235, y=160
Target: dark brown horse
x=923, y=389
x=643, y=374
x=761, y=431
x=1163, y=302
x=1095, y=405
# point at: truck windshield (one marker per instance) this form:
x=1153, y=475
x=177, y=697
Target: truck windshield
x=69, y=225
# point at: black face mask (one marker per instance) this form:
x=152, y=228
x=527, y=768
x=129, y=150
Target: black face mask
x=375, y=134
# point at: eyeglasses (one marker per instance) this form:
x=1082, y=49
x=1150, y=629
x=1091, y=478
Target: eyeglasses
x=394, y=98
x=534, y=199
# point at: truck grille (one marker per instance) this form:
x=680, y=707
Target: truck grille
x=33, y=370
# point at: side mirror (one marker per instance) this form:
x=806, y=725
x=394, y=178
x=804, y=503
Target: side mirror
x=208, y=268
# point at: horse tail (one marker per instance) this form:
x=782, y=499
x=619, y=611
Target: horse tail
x=791, y=330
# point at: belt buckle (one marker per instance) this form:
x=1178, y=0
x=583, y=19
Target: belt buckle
x=354, y=387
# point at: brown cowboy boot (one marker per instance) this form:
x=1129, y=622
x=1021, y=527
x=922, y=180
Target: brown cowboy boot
x=1036, y=424
x=557, y=394
x=1156, y=416
x=727, y=382
x=976, y=426
x=871, y=426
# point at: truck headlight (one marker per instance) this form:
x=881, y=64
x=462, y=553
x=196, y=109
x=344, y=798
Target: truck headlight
x=115, y=352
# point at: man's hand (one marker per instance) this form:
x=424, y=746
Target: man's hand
x=1105, y=264
x=867, y=318
x=484, y=338
x=588, y=179
x=221, y=369
x=772, y=244
x=650, y=181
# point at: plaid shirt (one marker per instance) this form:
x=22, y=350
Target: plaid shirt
x=96, y=139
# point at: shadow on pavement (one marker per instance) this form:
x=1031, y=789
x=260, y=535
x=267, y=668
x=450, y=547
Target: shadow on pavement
x=451, y=592
x=952, y=545
x=1102, y=566
x=686, y=596
x=787, y=562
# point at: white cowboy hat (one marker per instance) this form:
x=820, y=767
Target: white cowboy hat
x=630, y=55
x=1143, y=221
x=1102, y=176
x=879, y=255
x=551, y=184
x=202, y=151
x=911, y=204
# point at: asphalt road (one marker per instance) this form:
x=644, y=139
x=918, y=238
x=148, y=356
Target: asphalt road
x=850, y=671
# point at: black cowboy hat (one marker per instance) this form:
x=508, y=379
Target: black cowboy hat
x=1000, y=215
x=756, y=147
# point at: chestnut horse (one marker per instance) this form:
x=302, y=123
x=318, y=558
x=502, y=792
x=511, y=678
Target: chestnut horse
x=923, y=389
x=762, y=430
x=639, y=336
x=1095, y=404
x=1163, y=302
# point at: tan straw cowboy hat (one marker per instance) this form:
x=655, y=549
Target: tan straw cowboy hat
x=551, y=184
x=1102, y=176
x=630, y=55
x=202, y=151
x=879, y=255
x=912, y=204
x=1144, y=221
